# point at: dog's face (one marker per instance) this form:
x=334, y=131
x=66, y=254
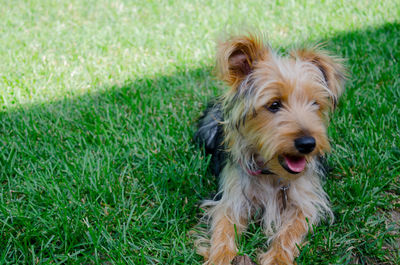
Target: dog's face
x=278, y=105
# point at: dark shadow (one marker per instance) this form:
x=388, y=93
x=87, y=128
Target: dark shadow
x=125, y=151
x=77, y=170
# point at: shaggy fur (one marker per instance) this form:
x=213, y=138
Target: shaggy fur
x=266, y=134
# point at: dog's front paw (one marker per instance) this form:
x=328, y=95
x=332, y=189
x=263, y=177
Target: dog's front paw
x=223, y=256
x=275, y=257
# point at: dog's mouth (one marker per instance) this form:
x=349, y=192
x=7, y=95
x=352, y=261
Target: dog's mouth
x=292, y=164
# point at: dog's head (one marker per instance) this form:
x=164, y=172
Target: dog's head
x=277, y=108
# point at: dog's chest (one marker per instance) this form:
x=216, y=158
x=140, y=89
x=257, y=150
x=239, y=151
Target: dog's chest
x=264, y=192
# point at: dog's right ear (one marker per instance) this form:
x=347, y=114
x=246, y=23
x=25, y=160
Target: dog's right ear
x=237, y=56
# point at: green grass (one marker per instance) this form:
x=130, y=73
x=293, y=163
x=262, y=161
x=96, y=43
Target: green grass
x=98, y=102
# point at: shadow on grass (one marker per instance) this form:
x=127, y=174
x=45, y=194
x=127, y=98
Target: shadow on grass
x=114, y=175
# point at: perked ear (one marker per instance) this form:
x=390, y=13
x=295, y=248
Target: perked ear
x=237, y=56
x=331, y=68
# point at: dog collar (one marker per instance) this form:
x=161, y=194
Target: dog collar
x=263, y=171
x=258, y=172
x=283, y=189
x=253, y=173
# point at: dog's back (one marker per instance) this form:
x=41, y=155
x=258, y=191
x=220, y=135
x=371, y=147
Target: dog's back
x=210, y=133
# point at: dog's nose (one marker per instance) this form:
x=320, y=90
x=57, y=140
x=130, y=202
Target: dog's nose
x=305, y=144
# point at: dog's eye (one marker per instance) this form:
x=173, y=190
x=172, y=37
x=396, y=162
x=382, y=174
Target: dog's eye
x=274, y=106
x=315, y=103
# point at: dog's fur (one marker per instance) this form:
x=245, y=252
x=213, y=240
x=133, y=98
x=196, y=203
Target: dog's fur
x=251, y=133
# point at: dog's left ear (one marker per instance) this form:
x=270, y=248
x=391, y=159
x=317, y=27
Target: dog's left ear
x=331, y=68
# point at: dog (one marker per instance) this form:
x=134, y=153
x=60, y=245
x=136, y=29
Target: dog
x=267, y=135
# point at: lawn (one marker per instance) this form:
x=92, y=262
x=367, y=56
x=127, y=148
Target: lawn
x=98, y=105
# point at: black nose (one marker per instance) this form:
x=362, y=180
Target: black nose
x=305, y=144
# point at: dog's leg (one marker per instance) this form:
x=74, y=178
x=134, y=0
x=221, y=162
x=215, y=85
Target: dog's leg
x=283, y=248
x=224, y=229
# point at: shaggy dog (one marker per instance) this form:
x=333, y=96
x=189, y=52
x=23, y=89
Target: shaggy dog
x=266, y=135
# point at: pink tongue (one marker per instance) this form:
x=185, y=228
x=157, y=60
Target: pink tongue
x=296, y=164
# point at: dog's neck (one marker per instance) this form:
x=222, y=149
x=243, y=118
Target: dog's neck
x=257, y=166
x=284, y=185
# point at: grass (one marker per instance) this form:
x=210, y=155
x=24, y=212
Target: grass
x=98, y=101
